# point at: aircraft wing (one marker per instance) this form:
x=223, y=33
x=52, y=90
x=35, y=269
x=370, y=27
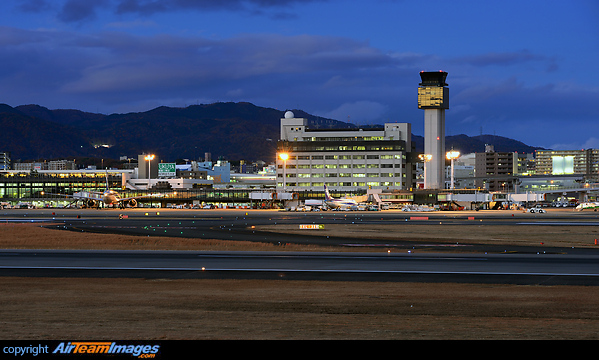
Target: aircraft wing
x=140, y=197
x=82, y=195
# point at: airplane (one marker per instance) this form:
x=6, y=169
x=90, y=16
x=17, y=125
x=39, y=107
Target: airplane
x=588, y=205
x=342, y=204
x=107, y=197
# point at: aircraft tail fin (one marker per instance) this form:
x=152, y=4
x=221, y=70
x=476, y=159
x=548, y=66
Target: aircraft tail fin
x=327, y=196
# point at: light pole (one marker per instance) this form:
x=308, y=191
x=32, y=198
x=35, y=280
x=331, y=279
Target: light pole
x=452, y=155
x=425, y=158
x=149, y=158
x=284, y=157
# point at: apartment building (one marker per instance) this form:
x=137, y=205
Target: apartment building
x=5, y=161
x=565, y=162
x=496, y=171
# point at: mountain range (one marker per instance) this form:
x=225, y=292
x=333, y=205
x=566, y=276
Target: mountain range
x=233, y=131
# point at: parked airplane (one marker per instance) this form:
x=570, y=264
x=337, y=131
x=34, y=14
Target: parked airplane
x=588, y=205
x=337, y=203
x=107, y=197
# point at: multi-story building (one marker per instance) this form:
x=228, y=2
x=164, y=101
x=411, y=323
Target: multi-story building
x=496, y=171
x=565, y=162
x=62, y=165
x=343, y=159
x=47, y=165
x=526, y=164
x=4, y=161
x=31, y=166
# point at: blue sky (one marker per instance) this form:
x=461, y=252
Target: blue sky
x=521, y=69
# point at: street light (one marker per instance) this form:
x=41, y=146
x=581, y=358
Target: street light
x=452, y=155
x=284, y=157
x=425, y=158
x=149, y=159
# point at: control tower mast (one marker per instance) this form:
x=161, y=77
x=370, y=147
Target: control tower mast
x=433, y=98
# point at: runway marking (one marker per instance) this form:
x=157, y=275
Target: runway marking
x=399, y=245
x=203, y=269
x=29, y=220
x=144, y=227
x=561, y=223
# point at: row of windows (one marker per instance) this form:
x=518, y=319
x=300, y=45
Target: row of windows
x=432, y=97
x=342, y=166
x=57, y=175
x=348, y=138
x=356, y=183
x=306, y=147
x=342, y=175
x=61, y=184
x=346, y=157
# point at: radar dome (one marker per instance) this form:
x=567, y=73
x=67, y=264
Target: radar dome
x=289, y=115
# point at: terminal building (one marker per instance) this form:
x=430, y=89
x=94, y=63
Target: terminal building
x=343, y=159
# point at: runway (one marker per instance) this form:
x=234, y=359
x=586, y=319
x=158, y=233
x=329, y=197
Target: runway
x=495, y=268
x=474, y=263
x=244, y=225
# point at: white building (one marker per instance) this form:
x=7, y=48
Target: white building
x=343, y=159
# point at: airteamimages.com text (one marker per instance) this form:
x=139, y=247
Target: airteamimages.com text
x=139, y=350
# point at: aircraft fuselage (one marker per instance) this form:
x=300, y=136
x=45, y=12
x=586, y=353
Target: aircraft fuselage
x=110, y=197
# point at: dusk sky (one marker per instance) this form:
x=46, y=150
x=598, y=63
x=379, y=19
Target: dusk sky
x=527, y=70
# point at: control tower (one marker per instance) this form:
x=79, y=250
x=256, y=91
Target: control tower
x=433, y=98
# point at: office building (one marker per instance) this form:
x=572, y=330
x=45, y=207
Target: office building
x=343, y=159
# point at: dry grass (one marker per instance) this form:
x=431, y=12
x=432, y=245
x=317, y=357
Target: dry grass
x=70, y=308
x=477, y=233
x=111, y=309
x=34, y=236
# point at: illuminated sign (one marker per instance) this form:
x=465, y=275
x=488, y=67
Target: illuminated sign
x=167, y=169
x=312, y=226
x=562, y=165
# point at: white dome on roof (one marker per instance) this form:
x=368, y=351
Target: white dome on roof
x=289, y=115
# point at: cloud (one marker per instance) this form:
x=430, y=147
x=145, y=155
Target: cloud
x=78, y=10
x=34, y=6
x=359, y=112
x=590, y=143
x=70, y=11
x=500, y=59
x=131, y=62
x=153, y=6
x=119, y=67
